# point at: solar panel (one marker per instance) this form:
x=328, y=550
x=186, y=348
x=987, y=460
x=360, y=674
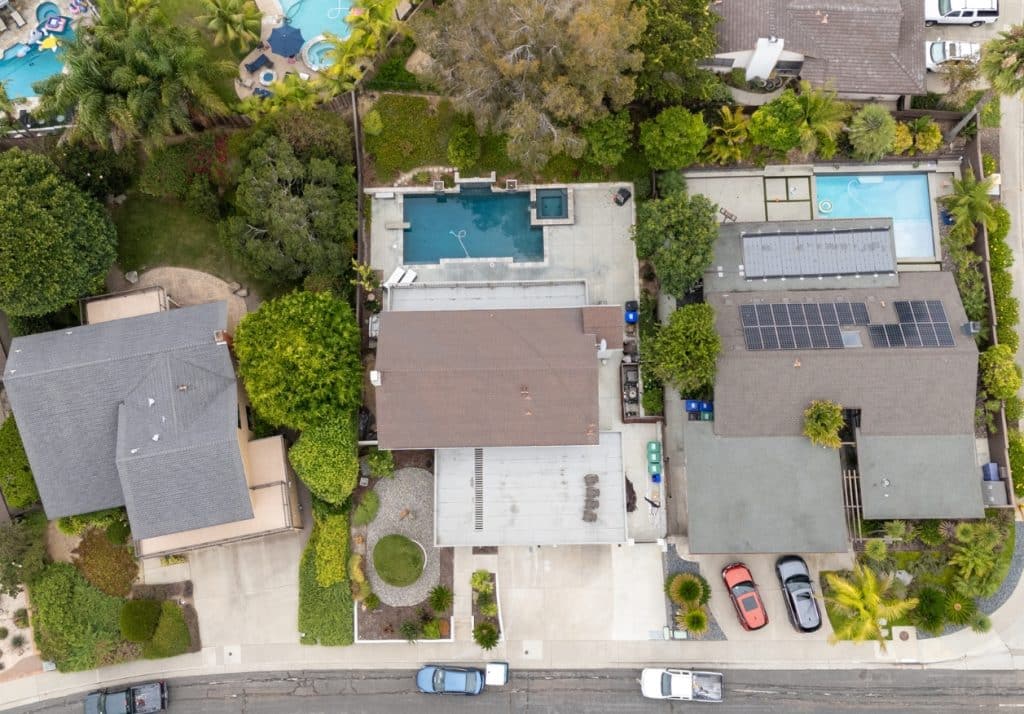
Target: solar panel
x=944, y=335
x=812, y=313
x=894, y=335
x=828, y=314
x=802, y=338
x=904, y=313
x=860, y=314
x=928, y=338
x=818, y=339
x=752, y=336
x=781, y=313
x=936, y=311
x=920, y=310
x=769, y=338
x=834, y=336
x=845, y=313
x=796, y=314
x=786, y=340
x=910, y=334
x=764, y=315
x=748, y=315
x=877, y=335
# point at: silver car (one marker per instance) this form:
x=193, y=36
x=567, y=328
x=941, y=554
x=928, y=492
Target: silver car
x=801, y=604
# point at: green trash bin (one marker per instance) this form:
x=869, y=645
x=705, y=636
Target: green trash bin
x=654, y=467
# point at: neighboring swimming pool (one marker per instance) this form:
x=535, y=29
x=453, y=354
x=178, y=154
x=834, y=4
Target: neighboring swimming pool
x=315, y=18
x=23, y=64
x=471, y=224
x=902, y=197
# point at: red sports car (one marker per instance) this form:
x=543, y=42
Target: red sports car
x=743, y=592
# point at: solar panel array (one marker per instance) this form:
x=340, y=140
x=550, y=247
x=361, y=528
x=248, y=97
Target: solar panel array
x=792, y=326
x=922, y=323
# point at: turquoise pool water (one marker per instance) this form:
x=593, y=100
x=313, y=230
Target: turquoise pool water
x=317, y=55
x=22, y=65
x=552, y=203
x=471, y=224
x=902, y=197
x=315, y=17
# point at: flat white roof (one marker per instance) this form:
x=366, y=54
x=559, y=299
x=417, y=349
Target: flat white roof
x=529, y=495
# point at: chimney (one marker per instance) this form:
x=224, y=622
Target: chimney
x=375, y=379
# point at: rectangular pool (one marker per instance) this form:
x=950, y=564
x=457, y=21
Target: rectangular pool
x=474, y=223
x=902, y=197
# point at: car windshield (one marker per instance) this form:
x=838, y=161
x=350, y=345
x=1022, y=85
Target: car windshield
x=666, y=684
x=938, y=52
x=438, y=680
x=797, y=584
x=742, y=589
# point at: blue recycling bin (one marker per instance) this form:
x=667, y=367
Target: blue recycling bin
x=692, y=405
x=990, y=471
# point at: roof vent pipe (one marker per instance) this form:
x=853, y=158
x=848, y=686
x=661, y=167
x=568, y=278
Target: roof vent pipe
x=375, y=378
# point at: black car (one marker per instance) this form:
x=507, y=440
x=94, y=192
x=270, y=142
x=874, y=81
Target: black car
x=801, y=604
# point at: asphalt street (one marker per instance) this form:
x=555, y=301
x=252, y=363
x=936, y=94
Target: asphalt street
x=535, y=692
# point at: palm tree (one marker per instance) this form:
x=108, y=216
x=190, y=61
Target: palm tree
x=872, y=132
x=133, y=75
x=233, y=21
x=1002, y=65
x=291, y=91
x=969, y=204
x=6, y=105
x=728, y=141
x=862, y=599
x=371, y=22
x=822, y=121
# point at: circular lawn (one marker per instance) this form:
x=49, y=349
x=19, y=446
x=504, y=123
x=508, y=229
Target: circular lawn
x=398, y=560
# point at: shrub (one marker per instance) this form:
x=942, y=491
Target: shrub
x=201, y=198
x=325, y=613
x=729, y=139
x=371, y=601
x=1000, y=228
x=927, y=135
x=695, y=621
x=677, y=233
x=21, y=618
x=872, y=133
x=411, y=630
x=1017, y=461
x=823, y=420
x=876, y=550
x=686, y=349
x=373, y=124
x=139, y=619
x=110, y=567
x=331, y=547
x=432, y=630
x=608, y=139
x=464, y=145
x=685, y=589
x=118, y=532
x=981, y=623
x=16, y=480
x=899, y=530
x=325, y=458
x=165, y=173
x=960, y=609
x=360, y=587
x=171, y=637
x=316, y=134
x=98, y=172
x=487, y=604
x=481, y=581
x=486, y=635
x=18, y=641
x=903, y=140
x=1000, y=376
x=776, y=125
x=653, y=400
x=989, y=164
x=367, y=509
x=1014, y=411
x=381, y=463
x=673, y=139
x=398, y=560
x=930, y=613
x=929, y=534
x=440, y=598
x=3, y=633
x=670, y=183
x=77, y=525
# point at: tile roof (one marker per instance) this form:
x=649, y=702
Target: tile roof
x=90, y=399
x=863, y=47
x=477, y=378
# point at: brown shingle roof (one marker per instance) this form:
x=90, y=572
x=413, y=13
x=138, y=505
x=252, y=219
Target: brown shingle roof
x=474, y=378
x=899, y=391
x=865, y=47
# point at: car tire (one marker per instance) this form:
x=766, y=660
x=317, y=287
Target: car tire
x=977, y=24
x=929, y=23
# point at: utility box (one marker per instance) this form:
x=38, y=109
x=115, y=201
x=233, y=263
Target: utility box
x=496, y=674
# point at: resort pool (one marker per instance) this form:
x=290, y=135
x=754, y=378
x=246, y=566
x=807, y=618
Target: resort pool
x=471, y=224
x=902, y=197
x=317, y=17
x=23, y=65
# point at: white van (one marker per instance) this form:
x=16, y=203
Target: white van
x=960, y=12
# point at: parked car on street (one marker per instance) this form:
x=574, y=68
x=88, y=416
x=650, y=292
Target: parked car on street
x=141, y=699
x=960, y=12
x=798, y=592
x=681, y=684
x=438, y=679
x=939, y=52
x=745, y=598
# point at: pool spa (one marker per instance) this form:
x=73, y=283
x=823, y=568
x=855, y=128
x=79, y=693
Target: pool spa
x=473, y=223
x=315, y=18
x=903, y=197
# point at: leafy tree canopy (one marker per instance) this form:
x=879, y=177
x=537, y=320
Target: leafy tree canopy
x=872, y=132
x=298, y=356
x=325, y=458
x=16, y=482
x=1002, y=61
x=674, y=138
x=679, y=34
x=56, y=243
x=686, y=349
x=534, y=69
x=608, y=138
x=776, y=125
x=22, y=552
x=293, y=218
x=677, y=233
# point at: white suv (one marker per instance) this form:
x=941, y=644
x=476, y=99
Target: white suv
x=960, y=12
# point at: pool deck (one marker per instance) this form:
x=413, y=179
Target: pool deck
x=596, y=248
x=245, y=82
x=15, y=35
x=787, y=192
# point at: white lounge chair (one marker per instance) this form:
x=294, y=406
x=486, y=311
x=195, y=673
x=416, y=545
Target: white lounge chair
x=3, y=25
x=409, y=276
x=395, y=277
x=18, y=19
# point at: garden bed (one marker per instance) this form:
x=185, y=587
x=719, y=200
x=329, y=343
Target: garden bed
x=385, y=622
x=487, y=627
x=181, y=592
x=674, y=564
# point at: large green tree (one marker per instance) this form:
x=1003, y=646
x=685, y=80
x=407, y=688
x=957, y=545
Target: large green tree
x=862, y=599
x=293, y=218
x=1002, y=61
x=534, y=69
x=674, y=138
x=56, y=243
x=233, y=22
x=677, y=234
x=298, y=356
x=679, y=34
x=686, y=349
x=776, y=125
x=133, y=75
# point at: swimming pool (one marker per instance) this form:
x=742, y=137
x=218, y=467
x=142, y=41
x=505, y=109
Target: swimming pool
x=471, y=224
x=22, y=65
x=317, y=54
x=315, y=18
x=902, y=197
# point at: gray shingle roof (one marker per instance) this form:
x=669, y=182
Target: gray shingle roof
x=863, y=47
x=81, y=397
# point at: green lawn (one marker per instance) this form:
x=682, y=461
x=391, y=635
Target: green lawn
x=398, y=560
x=184, y=12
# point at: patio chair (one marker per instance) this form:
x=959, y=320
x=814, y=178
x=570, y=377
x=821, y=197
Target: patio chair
x=591, y=504
x=589, y=516
x=3, y=26
x=18, y=19
x=593, y=492
x=258, y=64
x=262, y=93
x=590, y=479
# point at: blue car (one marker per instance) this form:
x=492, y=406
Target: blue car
x=435, y=679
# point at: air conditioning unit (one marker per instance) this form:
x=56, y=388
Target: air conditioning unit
x=972, y=328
